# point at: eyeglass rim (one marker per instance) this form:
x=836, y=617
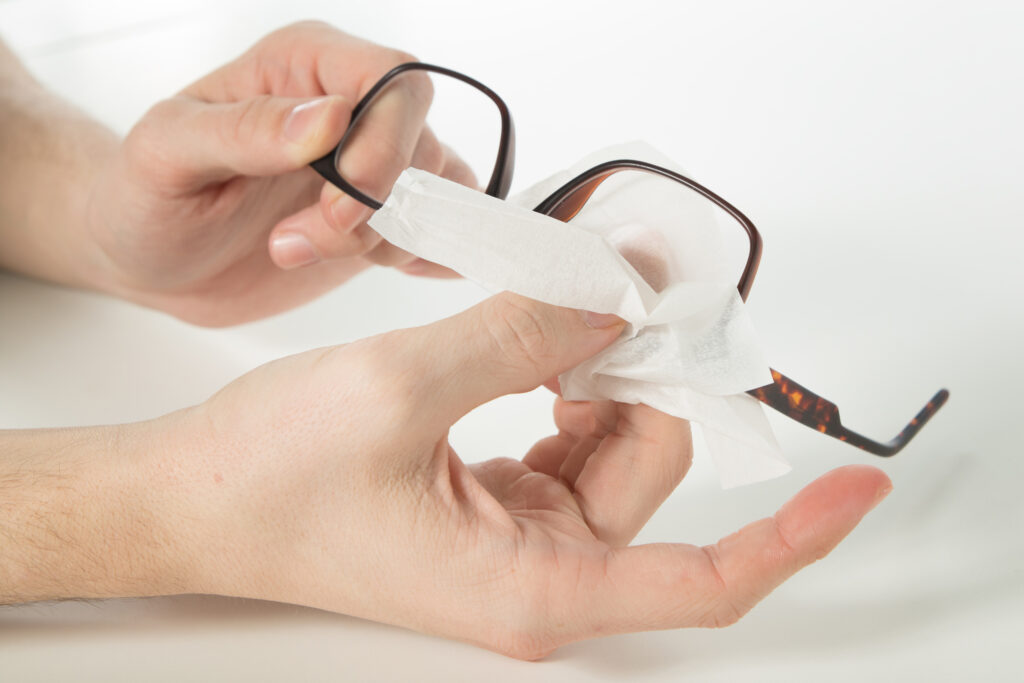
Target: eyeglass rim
x=555, y=200
x=504, y=164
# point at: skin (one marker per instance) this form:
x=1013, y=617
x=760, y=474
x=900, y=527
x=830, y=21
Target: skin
x=296, y=474
x=198, y=210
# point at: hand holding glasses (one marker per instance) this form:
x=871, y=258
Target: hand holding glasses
x=569, y=200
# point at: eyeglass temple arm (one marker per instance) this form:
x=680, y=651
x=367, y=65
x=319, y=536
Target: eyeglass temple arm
x=565, y=202
x=504, y=164
x=806, y=407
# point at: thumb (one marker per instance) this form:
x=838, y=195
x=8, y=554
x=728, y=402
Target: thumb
x=210, y=142
x=663, y=586
x=507, y=344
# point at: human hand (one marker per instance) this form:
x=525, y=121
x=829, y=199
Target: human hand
x=327, y=479
x=208, y=210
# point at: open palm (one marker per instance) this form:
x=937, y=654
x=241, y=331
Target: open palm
x=364, y=508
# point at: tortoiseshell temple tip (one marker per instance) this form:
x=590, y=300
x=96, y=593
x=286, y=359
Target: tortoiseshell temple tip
x=804, y=406
x=914, y=426
x=887, y=450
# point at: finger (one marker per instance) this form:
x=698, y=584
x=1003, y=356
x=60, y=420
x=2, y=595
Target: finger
x=672, y=586
x=582, y=428
x=632, y=470
x=455, y=169
x=380, y=146
x=423, y=268
x=588, y=422
x=289, y=245
x=337, y=242
x=428, y=156
x=584, y=418
x=452, y=168
x=547, y=455
x=334, y=240
x=340, y=236
x=516, y=487
x=575, y=421
x=194, y=143
x=507, y=344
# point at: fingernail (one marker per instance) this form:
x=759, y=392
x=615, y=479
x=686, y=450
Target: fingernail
x=292, y=250
x=305, y=120
x=348, y=212
x=882, y=495
x=601, y=320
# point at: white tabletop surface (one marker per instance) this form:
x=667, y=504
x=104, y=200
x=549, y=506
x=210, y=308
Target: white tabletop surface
x=878, y=147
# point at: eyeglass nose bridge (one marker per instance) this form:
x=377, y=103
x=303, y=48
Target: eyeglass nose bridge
x=504, y=164
x=567, y=201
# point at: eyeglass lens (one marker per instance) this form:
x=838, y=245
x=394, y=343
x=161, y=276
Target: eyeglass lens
x=420, y=120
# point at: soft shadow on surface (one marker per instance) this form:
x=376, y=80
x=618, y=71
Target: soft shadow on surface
x=808, y=629
x=152, y=615
x=785, y=628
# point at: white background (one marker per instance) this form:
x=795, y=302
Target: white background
x=877, y=146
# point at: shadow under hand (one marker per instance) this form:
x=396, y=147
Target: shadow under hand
x=788, y=629
x=163, y=615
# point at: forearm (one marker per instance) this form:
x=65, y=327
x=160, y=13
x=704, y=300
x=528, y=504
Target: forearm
x=49, y=153
x=78, y=518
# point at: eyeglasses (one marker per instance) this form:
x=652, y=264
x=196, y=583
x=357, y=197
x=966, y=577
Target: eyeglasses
x=783, y=394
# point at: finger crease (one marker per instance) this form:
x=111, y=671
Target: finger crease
x=711, y=553
x=787, y=547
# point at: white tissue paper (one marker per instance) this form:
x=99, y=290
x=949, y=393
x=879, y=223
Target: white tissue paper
x=689, y=349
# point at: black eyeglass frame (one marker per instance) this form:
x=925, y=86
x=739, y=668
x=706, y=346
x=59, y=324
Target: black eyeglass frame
x=504, y=164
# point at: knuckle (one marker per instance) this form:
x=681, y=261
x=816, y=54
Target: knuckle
x=420, y=85
x=141, y=141
x=679, y=464
x=309, y=25
x=521, y=335
x=534, y=607
x=788, y=550
x=524, y=646
x=384, y=379
x=723, y=615
x=296, y=30
x=725, y=606
x=373, y=165
x=725, y=609
x=528, y=635
x=417, y=81
x=403, y=57
x=147, y=153
x=245, y=127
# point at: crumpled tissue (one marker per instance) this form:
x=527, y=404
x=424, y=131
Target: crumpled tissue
x=689, y=349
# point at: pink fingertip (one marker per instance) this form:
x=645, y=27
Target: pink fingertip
x=291, y=250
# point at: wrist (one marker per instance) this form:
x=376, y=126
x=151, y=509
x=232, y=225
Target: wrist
x=78, y=519
x=57, y=152
x=211, y=508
